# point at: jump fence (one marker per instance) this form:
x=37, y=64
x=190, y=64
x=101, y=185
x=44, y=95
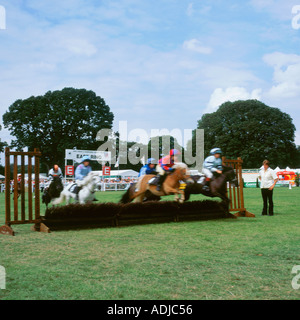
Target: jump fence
x=20, y=215
x=236, y=194
x=16, y=214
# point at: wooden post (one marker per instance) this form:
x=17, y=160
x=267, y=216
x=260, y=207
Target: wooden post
x=237, y=194
x=6, y=229
x=7, y=186
x=241, y=186
x=22, y=187
x=15, y=183
x=30, y=188
x=37, y=185
x=38, y=225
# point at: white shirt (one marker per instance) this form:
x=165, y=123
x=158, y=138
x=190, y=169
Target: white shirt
x=267, y=178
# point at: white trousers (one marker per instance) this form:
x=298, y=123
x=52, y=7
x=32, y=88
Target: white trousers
x=207, y=173
x=160, y=170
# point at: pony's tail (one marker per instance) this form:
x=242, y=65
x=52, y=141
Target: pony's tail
x=59, y=200
x=126, y=198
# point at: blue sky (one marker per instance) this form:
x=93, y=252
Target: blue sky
x=159, y=64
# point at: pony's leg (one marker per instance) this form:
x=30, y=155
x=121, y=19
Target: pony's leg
x=139, y=198
x=176, y=197
x=182, y=197
x=225, y=204
x=67, y=199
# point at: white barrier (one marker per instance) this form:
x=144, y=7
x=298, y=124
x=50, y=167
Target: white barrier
x=104, y=186
x=116, y=186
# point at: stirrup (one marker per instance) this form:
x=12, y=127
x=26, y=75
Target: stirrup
x=206, y=188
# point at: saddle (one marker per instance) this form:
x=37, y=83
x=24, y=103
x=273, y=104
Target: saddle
x=205, y=182
x=74, y=188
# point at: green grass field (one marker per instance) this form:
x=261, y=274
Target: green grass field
x=236, y=259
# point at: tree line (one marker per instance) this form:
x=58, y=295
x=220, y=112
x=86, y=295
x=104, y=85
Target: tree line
x=71, y=117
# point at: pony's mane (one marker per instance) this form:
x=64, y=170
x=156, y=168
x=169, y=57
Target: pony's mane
x=88, y=178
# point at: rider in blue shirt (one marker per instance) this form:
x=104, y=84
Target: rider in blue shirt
x=148, y=168
x=212, y=165
x=81, y=172
x=83, y=169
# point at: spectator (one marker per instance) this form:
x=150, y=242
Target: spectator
x=268, y=179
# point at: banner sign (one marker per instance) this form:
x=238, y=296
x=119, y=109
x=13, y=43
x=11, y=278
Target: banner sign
x=106, y=171
x=69, y=170
x=76, y=155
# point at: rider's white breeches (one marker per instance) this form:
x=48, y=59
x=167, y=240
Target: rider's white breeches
x=207, y=173
x=160, y=170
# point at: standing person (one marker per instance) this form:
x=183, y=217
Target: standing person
x=268, y=179
x=212, y=165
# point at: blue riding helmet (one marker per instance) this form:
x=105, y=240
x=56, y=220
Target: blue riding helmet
x=85, y=158
x=216, y=150
x=151, y=161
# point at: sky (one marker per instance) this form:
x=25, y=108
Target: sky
x=159, y=64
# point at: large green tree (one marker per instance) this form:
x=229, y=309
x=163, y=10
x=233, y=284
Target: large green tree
x=253, y=131
x=57, y=121
x=161, y=146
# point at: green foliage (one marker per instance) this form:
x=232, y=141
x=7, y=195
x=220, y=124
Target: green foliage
x=253, y=131
x=161, y=145
x=57, y=121
x=297, y=179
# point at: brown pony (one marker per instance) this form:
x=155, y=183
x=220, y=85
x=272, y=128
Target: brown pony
x=170, y=185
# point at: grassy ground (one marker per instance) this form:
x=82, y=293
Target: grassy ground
x=246, y=258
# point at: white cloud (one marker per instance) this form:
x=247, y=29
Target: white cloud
x=279, y=59
x=197, y=9
x=286, y=75
x=132, y=54
x=232, y=94
x=196, y=46
x=190, y=9
x=80, y=47
x=279, y=9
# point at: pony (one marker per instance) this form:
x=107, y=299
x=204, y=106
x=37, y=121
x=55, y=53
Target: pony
x=170, y=185
x=18, y=190
x=53, y=191
x=218, y=186
x=86, y=193
x=128, y=195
